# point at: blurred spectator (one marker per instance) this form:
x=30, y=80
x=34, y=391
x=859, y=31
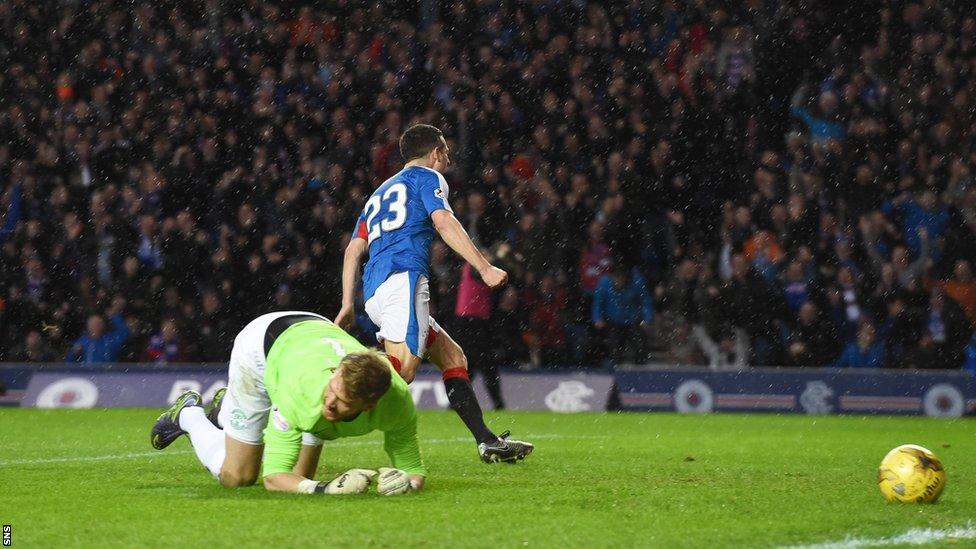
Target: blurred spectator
x=961, y=288
x=970, y=363
x=594, y=258
x=677, y=309
x=797, y=289
x=99, y=345
x=546, y=335
x=724, y=345
x=765, y=254
x=824, y=123
x=473, y=312
x=752, y=305
x=813, y=340
x=10, y=207
x=622, y=312
x=214, y=330
x=848, y=304
x=900, y=330
x=165, y=346
x=508, y=329
x=923, y=219
x=33, y=349
x=865, y=352
x=945, y=332
x=232, y=149
x=150, y=250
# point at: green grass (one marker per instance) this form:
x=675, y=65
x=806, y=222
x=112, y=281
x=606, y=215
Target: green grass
x=658, y=480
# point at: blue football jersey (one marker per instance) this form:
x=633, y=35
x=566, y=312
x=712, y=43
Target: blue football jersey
x=397, y=226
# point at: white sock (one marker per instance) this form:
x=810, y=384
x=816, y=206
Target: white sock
x=207, y=440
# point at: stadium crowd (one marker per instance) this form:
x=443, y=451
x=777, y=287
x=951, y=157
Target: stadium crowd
x=768, y=184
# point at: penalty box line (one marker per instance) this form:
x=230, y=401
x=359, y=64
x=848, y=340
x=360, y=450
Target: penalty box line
x=134, y=455
x=915, y=536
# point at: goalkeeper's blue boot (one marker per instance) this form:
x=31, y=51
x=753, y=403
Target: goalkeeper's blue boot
x=213, y=411
x=167, y=427
x=504, y=450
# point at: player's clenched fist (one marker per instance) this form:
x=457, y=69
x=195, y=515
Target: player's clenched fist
x=393, y=481
x=353, y=481
x=493, y=276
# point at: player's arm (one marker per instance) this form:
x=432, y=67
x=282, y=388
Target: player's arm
x=457, y=238
x=433, y=194
x=353, y=481
x=351, y=261
x=308, y=460
x=403, y=447
x=281, y=451
x=285, y=482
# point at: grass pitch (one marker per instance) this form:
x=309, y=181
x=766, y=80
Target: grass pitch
x=90, y=478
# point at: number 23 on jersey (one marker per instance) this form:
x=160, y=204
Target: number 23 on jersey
x=387, y=212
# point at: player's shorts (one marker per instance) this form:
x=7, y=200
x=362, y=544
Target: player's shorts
x=401, y=308
x=246, y=407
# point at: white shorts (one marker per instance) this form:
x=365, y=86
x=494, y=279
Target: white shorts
x=246, y=406
x=401, y=308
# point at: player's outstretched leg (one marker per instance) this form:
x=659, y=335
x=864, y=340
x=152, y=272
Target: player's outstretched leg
x=448, y=356
x=167, y=427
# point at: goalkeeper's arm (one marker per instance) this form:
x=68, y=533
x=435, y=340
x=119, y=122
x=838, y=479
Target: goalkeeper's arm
x=353, y=481
x=285, y=482
x=402, y=446
x=281, y=452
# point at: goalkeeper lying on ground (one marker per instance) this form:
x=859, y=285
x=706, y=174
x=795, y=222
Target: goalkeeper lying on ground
x=316, y=383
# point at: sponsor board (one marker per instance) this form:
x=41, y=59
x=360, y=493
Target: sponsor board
x=688, y=390
x=151, y=387
x=116, y=389
x=556, y=392
x=798, y=390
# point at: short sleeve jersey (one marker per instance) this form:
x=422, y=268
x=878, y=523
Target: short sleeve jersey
x=397, y=226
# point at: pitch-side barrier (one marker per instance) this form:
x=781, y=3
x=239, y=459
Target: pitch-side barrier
x=632, y=388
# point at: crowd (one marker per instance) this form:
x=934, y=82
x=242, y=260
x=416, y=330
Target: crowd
x=704, y=182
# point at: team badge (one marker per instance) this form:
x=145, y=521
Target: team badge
x=238, y=420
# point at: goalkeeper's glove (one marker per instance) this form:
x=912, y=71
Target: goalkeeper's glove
x=393, y=481
x=353, y=481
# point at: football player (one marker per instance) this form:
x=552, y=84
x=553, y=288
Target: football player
x=396, y=228
x=296, y=379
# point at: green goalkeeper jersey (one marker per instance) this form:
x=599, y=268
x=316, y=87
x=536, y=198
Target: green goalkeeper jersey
x=300, y=364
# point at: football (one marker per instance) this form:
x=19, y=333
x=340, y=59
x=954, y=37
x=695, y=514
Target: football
x=911, y=474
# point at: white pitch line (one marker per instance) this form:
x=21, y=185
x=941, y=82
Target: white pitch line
x=915, y=536
x=132, y=455
x=109, y=457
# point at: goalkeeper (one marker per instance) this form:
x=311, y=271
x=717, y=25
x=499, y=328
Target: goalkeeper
x=314, y=382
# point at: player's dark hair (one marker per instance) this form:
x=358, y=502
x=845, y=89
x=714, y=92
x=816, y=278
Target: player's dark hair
x=419, y=140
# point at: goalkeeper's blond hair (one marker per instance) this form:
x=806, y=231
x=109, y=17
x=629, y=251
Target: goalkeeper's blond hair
x=366, y=376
